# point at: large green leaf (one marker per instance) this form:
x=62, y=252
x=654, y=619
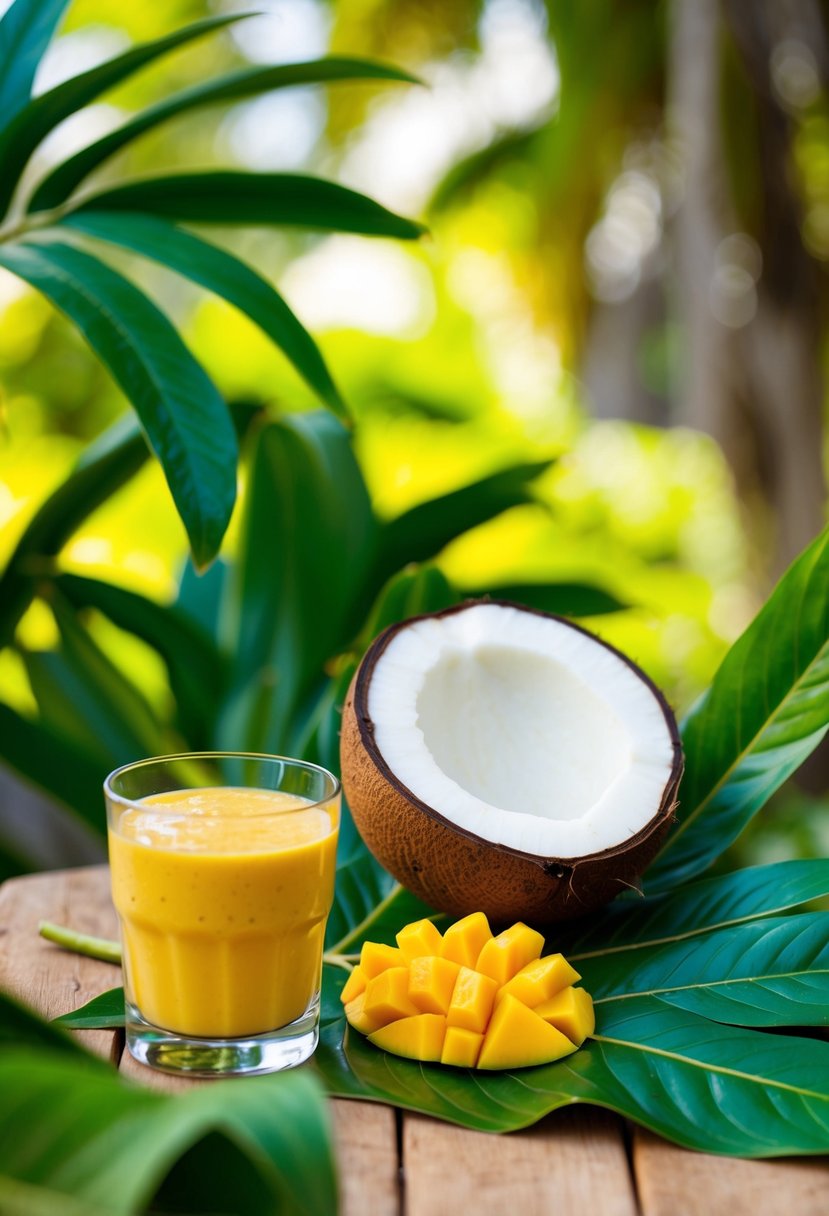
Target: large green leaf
x=772, y=972
x=699, y=907
x=225, y=275
x=421, y=533
x=229, y=197
x=766, y=711
x=563, y=599
x=25, y=32
x=62, y=180
x=307, y=536
x=20, y=137
x=255, y=1146
x=102, y=469
x=185, y=418
x=193, y=663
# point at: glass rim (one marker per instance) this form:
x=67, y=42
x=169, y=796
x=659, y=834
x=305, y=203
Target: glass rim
x=309, y=766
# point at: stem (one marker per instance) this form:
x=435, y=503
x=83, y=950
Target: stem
x=338, y=960
x=31, y=221
x=81, y=943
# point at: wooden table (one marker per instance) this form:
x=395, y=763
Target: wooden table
x=577, y=1162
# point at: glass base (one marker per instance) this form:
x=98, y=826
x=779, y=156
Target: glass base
x=190, y=1056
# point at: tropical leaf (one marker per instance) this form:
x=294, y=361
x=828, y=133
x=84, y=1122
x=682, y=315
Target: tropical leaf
x=766, y=711
x=411, y=592
x=772, y=972
x=102, y=469
x=420, y=533
x=562, y=599
x=224, y=274
x=307, y=535
x=21, y=135
x=249, y=82
x=229, y=197
x=184, y=416
x=104, y=1012
x=699, y=907
x=193, y=663
x=26, y=29
x=200, y=596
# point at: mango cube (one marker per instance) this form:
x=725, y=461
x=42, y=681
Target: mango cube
x=505, y=955
x=463, y=942
x=468, y=999
x=419, y=939
x=472, y=1000
x=540, y=980
x=571, y=1012
x=375, y=957
x=461, y=1047
x=431, y=983
x=419, y=1037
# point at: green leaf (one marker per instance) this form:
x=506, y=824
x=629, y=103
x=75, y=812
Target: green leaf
x=200, y=596
x=766, y=711
x=185, y=418
x=421, y=533
x=20, y=136
x=22, y=1199
x=55, y=762
x=104, y=1012
x=249, y=82
x=20, y=1026
x=307, y=535
x=411, y=592
x=562, y=599
x=257, y=1146
x=699, y=907
x=227, y=197
x=224, y=274
x=772, y=972
x=26, y=29
x=102, y=469
x=193, y=663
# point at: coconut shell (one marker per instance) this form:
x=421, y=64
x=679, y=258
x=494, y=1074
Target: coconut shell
x=456, y=872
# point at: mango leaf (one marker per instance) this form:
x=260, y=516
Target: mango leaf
x=102, y=469
x=193, y=663
x=421, y=533
x=224, y=274
x=185, y=418
x=699, y=907
x=20, y=1026
x=104, y=1012
x=254, y=1146
x=228, y=197
x=52, y=760
x=200, y=596
x=562, y=599
x=307, y=536
x=22, y=1199
x=766, y=711
x=29, y=125
x=249, y=82
x=772, y=972
x=26, y=29
x=411, y=592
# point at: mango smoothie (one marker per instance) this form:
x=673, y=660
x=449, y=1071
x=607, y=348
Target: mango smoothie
x=223, y=895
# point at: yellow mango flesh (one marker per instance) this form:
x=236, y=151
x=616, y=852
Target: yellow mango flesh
x=506, y=1007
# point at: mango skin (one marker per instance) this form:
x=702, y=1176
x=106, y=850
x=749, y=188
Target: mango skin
x=474, y=1001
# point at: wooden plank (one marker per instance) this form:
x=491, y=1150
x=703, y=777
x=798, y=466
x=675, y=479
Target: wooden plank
x=572, y=1161
x=365, y=1135
x=49, y=979
x=672, y=1180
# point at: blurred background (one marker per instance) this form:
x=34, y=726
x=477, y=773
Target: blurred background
x=625, y=274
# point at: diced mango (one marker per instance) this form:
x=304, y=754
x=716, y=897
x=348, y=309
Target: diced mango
x=472, y=1000
x=418, y=1038
x=505, y=955
x=461, y=1047
x=431, y=983
x=419, y=939
x=354, y=985
x=356, y=1016
x=517, y=1037
x=387, y=996
x=540, y=980
x=571, y=1012
x=463, y=942
x=375, y=957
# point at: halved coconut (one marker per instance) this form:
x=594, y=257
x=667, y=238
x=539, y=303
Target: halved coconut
x=502, y=760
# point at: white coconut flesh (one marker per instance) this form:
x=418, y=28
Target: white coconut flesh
x=522, y=730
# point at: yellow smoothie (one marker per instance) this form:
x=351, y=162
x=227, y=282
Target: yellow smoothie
x=223, y=899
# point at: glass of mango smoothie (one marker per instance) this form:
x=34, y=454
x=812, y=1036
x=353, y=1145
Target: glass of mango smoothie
x=222, y=876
